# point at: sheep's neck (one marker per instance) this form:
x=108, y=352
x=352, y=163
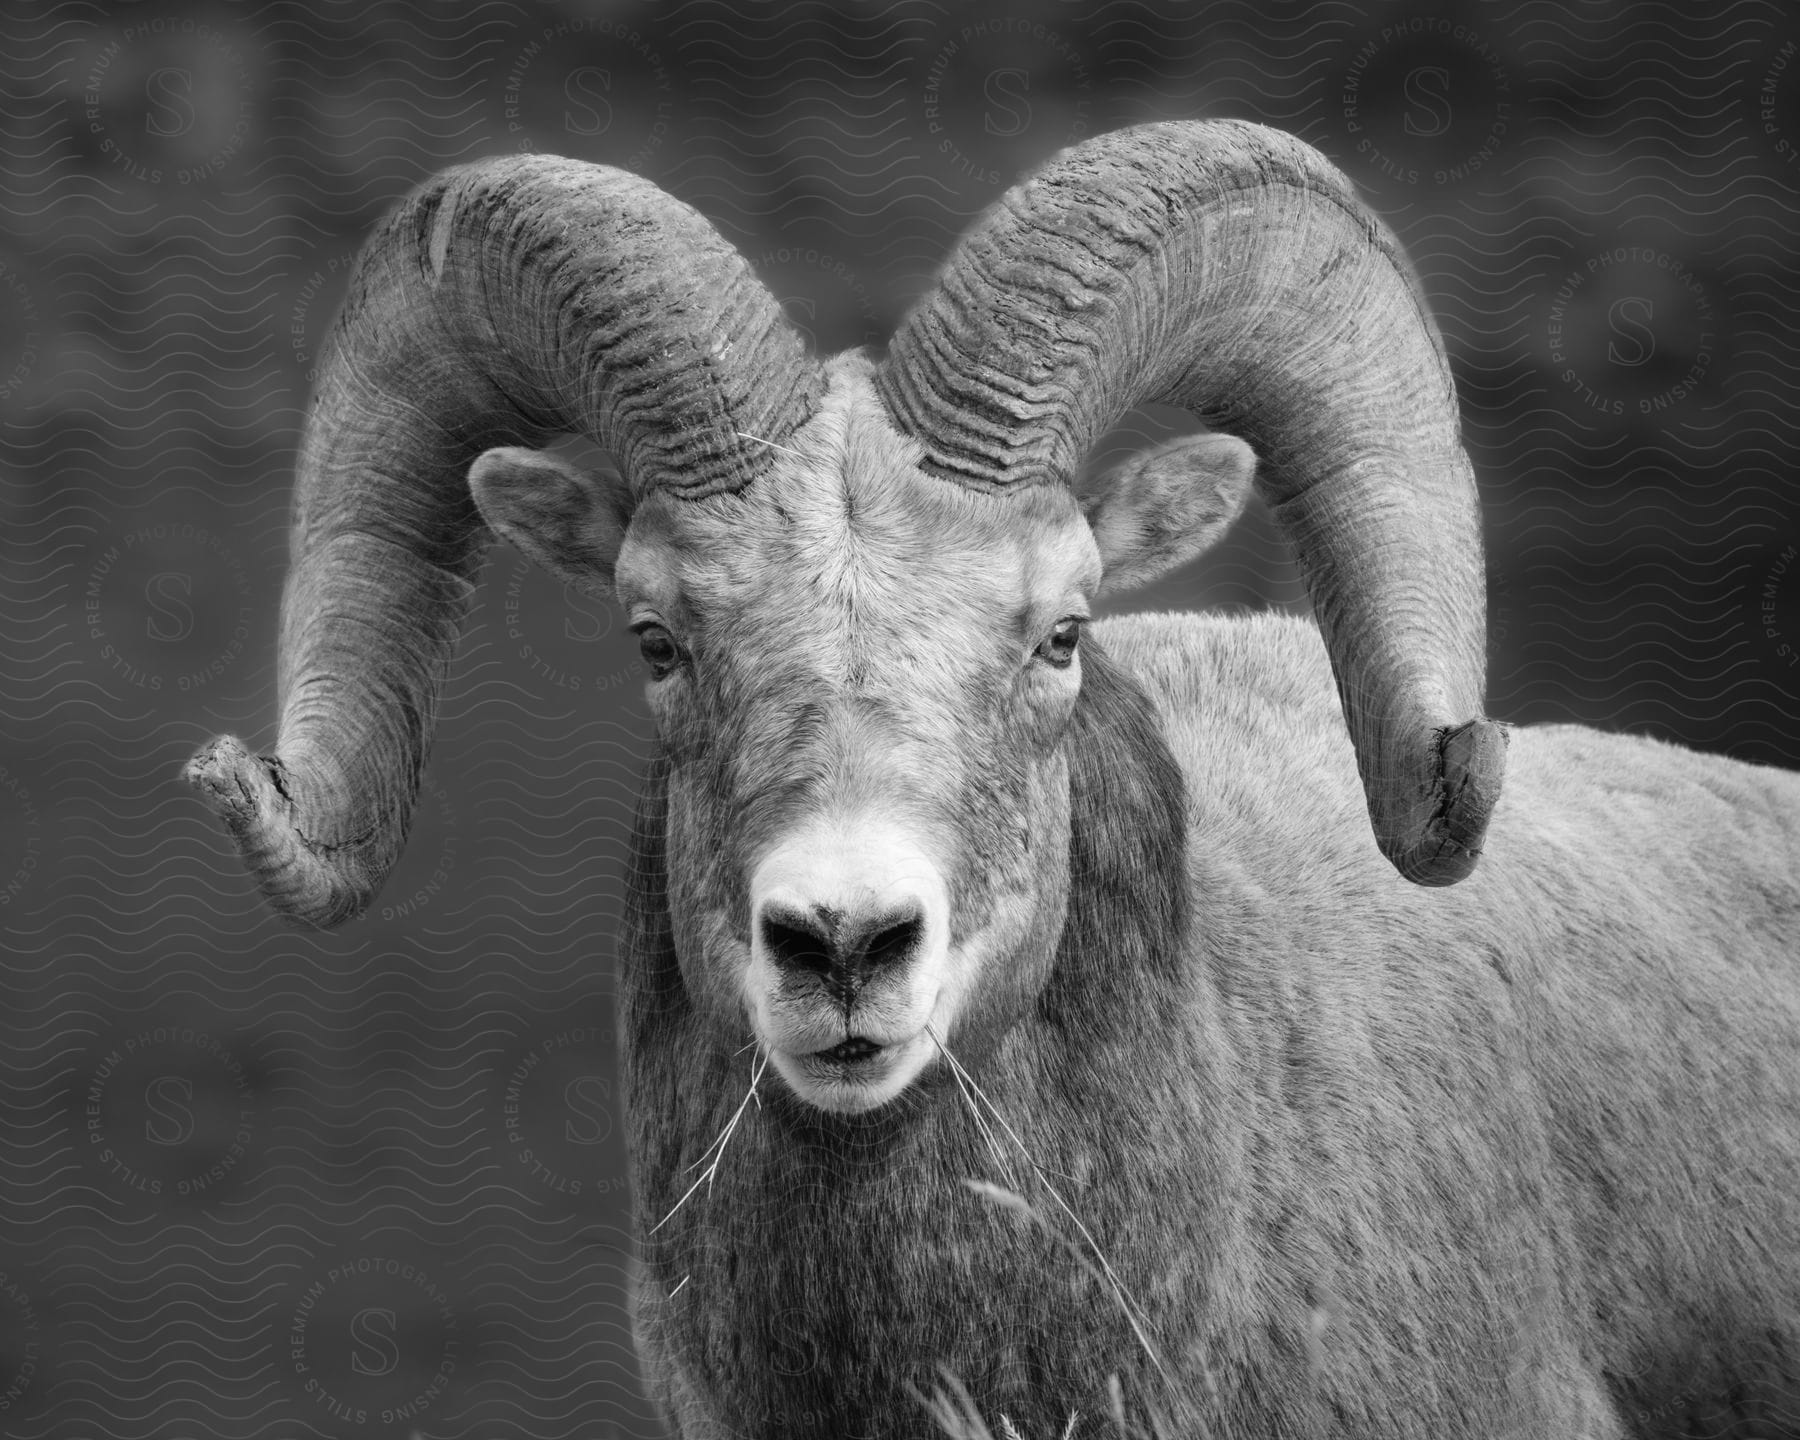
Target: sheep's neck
x=828, y=1261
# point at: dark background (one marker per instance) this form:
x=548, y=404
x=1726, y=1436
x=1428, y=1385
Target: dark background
x=258, y=1182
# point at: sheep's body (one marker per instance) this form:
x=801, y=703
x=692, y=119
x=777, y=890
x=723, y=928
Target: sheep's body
x=1518, y=1157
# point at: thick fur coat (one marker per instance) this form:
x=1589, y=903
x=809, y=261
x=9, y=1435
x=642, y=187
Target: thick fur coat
x=1515, y=1158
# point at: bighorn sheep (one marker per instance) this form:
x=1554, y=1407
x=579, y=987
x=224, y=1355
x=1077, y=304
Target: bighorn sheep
x=1100, y=1061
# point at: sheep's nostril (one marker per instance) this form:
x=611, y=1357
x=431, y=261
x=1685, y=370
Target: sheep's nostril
x=792, y=944
x=895, y=944
x=843, y=948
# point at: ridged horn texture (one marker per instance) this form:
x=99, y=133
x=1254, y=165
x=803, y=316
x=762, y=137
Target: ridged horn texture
x=1233, y=271
x=503, y=303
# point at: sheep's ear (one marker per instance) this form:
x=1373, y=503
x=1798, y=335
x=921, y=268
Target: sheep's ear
x=568, y=521
x=1165, y=506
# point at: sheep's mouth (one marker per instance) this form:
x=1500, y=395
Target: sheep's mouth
x=853, y=1051
x=855, y=1074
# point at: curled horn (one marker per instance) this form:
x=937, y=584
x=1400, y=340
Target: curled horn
x=1233, y=271
x=502, y=303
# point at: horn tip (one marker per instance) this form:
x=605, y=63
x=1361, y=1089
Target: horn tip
x=246, y=792
x=1471, y=766
x=231, y=780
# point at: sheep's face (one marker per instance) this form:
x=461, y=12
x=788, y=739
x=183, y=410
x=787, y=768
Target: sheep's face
x=861, y=676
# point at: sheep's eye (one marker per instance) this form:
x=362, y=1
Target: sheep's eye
x=659, y=650
x=1058, y=648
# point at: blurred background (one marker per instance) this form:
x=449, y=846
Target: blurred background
x=257, y=1182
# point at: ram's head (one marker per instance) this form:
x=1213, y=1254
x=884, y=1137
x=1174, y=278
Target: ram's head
x=860, y=585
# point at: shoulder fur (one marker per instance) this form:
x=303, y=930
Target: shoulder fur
x=1627, y=953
